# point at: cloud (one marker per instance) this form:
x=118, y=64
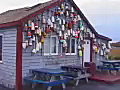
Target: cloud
x=100, y=6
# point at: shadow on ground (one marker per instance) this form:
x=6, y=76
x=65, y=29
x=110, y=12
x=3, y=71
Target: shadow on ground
x=91, y=85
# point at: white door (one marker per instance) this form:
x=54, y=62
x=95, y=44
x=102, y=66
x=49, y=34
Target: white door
x=86, y=55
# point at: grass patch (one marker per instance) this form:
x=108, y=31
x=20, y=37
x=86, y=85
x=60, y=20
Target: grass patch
x=114, y=57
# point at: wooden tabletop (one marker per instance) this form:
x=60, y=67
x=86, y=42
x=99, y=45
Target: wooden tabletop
x=49, y=71
x=77, y=67
x=111, y=61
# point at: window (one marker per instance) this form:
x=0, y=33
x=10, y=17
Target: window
x=71, y=47
x=51, y=46
x=1, y=48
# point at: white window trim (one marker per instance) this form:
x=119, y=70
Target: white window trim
x=2, y=49
x=70, y=48
x=48, y=54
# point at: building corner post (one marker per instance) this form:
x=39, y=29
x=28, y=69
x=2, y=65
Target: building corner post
x=19, y=79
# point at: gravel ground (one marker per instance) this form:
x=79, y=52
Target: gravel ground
x=91, y=85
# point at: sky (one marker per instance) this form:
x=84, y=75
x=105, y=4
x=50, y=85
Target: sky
x=104, y=15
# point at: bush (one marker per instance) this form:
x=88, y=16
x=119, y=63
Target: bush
x=110, y=57
x=117, y=58
x=114, y=57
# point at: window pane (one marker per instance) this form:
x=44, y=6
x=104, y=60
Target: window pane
x=68, y=46
x=0, y=48
x=72, y=45
x=53, y=45
x=47, y=45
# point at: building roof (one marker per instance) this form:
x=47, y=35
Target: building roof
x=104, y=37
x=19, y=15
x=117, y=44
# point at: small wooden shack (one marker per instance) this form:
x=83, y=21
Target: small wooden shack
x=49, y=34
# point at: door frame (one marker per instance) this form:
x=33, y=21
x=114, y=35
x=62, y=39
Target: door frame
x=91, y=49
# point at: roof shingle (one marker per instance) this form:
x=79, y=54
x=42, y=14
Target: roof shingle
x=17, y=14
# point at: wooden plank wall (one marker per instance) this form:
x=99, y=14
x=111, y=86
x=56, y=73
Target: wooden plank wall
x=8, y=67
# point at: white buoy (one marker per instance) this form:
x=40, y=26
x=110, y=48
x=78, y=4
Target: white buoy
x=49, y=22
x=30, y=42
x=78, y=17
x=53, y=19
x=33, y=39
x=34, y=51
x=72, y=9
x=24, y=45
x=60, y=33
x=33, y=26
x=63, y=27
x=68, y=32
x=63, y=21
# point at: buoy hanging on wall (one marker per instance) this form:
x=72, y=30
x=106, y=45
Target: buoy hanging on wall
x=67, y=7
x=53, y=19
x=33, y=38
x=30, y=42
x=80, y=53
x=93, y=35
x=71, y=31
x=76, y=34
x=63, y=28
x=36, y=25
x=29, y=34
x=72, y=9
x=60, y=21
x=37, y=47
x=78, y=17
x=26, y=27
x=65, y=36
x=63, y=22
x=52, y=25
x=43, y=20
x=24, y=45
x=62, y=6
x=32, y=26
x=60, y=33
x=29, y=24
x=42, y=40
x=101, y=52
x=79, y=47
x=67, y=13
x=39, y=31
x=82, y=28
x=64, y=43
x=55, y=26
x=34, y=51
x=68, y=32
x=49, y=22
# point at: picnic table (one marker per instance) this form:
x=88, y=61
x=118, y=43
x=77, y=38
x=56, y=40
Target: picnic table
x=110, y=65
x=76, y=72
x=49, y=73
x=111, y=61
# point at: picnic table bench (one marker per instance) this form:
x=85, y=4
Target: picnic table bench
x=76, y=72
x=110, y=66
x=52, y=73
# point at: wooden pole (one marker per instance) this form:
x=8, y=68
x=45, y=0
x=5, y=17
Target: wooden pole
x=19, y=59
